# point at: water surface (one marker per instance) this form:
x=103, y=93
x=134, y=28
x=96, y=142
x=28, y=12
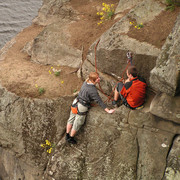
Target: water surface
x=15, y=15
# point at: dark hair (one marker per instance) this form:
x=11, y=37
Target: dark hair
x=132, y=70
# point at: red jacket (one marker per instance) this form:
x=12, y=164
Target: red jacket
x=134, y=92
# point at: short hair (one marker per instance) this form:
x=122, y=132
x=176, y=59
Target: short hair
x=132, y=70
x=93, y=76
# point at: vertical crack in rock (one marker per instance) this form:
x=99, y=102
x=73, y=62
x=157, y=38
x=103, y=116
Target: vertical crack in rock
x=11, y=103
x=170, y=148
x=137, y=161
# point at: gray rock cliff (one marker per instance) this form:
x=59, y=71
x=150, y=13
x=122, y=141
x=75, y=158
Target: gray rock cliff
x=129, y=144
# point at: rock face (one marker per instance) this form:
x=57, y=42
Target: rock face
x=62, y=54
x=129, y=144
x=166, y=107
x=172, y=169
x=52, y=46
x=27, y=123
x=54, y=11
x=125, y=4
x=165, y=77
x=114, y=44
x=125, y=145
x=12, y=167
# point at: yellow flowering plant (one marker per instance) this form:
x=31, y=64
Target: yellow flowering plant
x=41, y=90
x=138, y=26
x=56, y=71
x=48, y=146
x=106, y=13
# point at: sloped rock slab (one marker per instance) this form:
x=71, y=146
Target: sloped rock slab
x=153, y=150
x=52, y=46
x=26, y=123
x=125, y=145
x=54, y=11
x=106, y=148
x=165, y=77
x=173, y=161
x=126, y=4
x=166, y=107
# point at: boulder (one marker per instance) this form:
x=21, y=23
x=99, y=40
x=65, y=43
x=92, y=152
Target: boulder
x=54, y=11
x=52, y=46
x=166, y=107
x=165, y=77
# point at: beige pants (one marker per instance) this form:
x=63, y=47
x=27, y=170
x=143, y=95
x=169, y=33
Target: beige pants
x=75, y=119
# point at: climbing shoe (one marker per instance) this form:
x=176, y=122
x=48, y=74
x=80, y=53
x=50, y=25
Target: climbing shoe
x=117, y=103
x=114, y=102
x=140, y=107
x=67, y=136
x=72, y=140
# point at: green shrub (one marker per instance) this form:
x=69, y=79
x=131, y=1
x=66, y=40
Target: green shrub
x=171, y=4
x=41, y=91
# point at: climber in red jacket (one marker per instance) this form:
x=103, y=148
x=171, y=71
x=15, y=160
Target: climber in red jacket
x=132, y=92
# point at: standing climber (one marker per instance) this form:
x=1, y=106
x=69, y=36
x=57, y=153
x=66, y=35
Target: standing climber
x=81, y=104
x=132, y=92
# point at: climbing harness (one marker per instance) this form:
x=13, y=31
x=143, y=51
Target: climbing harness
x=74, y=107
x=129, y=62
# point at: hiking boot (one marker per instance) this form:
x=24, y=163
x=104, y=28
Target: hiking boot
x=67, y=136
x=72, y=140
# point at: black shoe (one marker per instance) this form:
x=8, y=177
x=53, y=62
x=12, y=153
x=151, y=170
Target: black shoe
x=72, y=140
x=117, y=103
x=67, y=136
x=114, y=102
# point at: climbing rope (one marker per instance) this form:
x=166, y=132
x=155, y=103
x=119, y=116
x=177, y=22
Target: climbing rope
x=129, y=62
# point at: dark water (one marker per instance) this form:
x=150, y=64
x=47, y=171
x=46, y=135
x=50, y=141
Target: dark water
x=15, y=15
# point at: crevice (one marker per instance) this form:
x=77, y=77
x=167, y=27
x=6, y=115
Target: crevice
x=10, y=103
x=170, y=147
x=137, y=161
x=128, y=117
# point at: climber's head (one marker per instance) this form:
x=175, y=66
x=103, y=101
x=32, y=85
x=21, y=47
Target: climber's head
x=132, y=71
x=94, y=77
